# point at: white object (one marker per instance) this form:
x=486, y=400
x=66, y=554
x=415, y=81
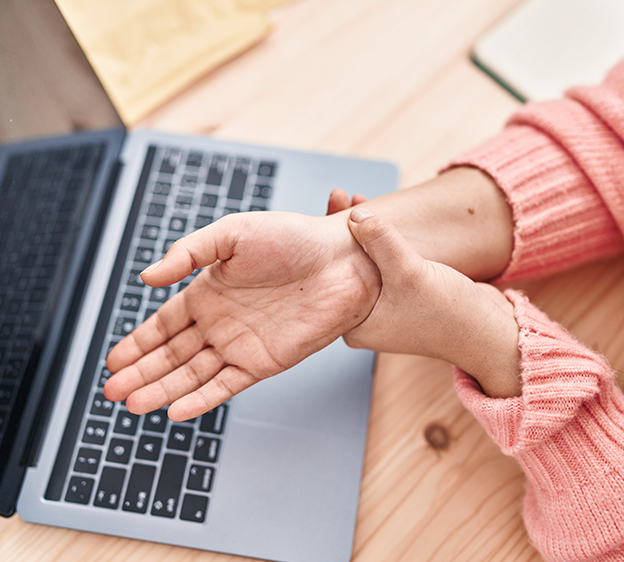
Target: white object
x=546, y=46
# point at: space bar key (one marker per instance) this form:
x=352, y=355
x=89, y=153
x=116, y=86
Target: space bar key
x=167, y=494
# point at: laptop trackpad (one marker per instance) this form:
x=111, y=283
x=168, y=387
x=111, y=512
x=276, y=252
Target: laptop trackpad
x=306, y=425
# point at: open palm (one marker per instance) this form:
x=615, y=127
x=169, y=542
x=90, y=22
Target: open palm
x=277, y=287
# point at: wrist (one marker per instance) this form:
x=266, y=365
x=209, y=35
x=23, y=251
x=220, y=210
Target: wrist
x=460, y=218
x=495, y=363
x=354, y=263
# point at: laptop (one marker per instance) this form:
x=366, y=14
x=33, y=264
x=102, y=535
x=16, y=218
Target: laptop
x=274, y=473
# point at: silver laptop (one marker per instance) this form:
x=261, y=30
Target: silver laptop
x=275, y=472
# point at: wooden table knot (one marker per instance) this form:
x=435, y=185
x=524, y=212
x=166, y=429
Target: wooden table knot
x=437, y=436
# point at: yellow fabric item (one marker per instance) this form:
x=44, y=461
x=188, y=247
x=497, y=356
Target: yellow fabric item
x=146, y=51
x=261, y=4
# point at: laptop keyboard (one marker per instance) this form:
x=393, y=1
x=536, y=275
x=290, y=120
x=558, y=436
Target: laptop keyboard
x=110, y=458
x=42, y=193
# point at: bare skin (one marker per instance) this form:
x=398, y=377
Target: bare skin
x=428, y=308
x=277, y=287
x=460, y=218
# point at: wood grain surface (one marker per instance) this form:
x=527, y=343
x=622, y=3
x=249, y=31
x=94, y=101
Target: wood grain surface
x=387, y=79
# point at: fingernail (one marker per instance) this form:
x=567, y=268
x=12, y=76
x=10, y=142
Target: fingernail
x=151, y=268
x=358, y=215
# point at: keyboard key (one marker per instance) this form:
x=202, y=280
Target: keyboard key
x=194, y=508
x=155, y=210
x=180, y=438
x=149, y=447
x=22, y=344
x=263, y=191
x=214, y=420
x=101, y=406
x=150, y=232
x=6, y=393
x=202, y=220
x=155, y=421
x=79, y=490
x=139, y=488
x=95, y=432
x=126, y=423
x=104, y=376
x=208, y=200
x=239, y=179
x=170, y=161
x=14, y=306
x=189, y=182
x=123, y=326
x=162, y=188
x=159, y=294
x=131, y=302
x=215, y=172
x=109, y=489
x=206, y=449
x=194, y=159
x=200, y=478
x=177, y=224
x=13, y=368
x=87, y=460
x=169, y=485
x=144, y=255
x=6, y=329
x=267, y=169
x=119, y=451
x=167, y=244
x=183, y=202
x=113, y=343
x=134, y=278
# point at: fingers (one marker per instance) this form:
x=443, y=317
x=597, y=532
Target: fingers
x=186, y=379
x=156, y=364
x=382, y=242
x=338, y=201
x=229, y=381
x=357, y=199
x=171, y=318
x=199, y=249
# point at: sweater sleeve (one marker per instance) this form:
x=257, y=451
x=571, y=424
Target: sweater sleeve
x=560, y=166
x=567, y=432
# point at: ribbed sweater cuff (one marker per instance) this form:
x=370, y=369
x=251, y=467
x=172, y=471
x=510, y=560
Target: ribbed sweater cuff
x=567, y=432
x=560, y=220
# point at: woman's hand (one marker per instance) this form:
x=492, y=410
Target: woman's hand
x=277, y=287
x=427, y=308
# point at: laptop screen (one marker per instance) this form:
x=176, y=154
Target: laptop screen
x=46, y=84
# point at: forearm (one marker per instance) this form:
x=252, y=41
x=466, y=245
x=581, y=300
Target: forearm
x=460, y=218
x=554, y=200
x=566, y=431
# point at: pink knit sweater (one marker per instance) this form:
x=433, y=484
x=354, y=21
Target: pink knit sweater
x=561, y=166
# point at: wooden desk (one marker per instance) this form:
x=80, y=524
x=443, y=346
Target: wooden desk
x=386, y=79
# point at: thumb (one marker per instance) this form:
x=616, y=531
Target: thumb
x=381, y=241
x=196, y=250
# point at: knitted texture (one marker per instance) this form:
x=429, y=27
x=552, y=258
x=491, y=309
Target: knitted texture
x=560, y=166
x=567, y=433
